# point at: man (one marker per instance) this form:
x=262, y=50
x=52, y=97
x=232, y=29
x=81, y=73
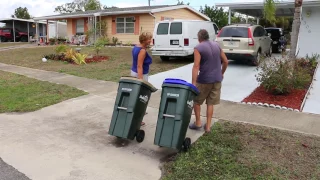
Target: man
x=207, y=76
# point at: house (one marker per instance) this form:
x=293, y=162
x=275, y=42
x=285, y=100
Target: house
x=124, y=23
x=309, y=34
x=29, y=26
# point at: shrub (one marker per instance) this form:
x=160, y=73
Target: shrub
x=50, y=56
x=105, y=39
x=129, y=43
x=281, y=76
x=70, y=53
x=52, y=41
x=313, y=59
x=79, y=58
x=115, y=40
x=301, y=77
x=61, y=49
x=99, y=44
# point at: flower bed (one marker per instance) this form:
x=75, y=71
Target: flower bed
x=290, y=101
x=96, y=59
x=62, y=57
x=67, y=54
x=282, y=88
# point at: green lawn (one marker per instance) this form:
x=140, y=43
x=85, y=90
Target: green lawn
x=118, y=65
x=243, y=152
x=22, y=94
x=8, y=44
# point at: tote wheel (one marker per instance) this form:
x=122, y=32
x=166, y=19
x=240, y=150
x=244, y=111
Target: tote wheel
x=186, y=144
x=140, y=136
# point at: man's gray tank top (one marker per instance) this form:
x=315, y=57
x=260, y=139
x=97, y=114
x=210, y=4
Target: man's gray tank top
x=210, y=63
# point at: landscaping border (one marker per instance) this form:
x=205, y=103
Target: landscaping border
x=283, y=107
x=310, y=87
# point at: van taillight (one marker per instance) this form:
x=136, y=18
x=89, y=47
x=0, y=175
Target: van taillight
x=186, y=42
x=153, y=41
x=250, y=38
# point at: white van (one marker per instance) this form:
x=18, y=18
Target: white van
x=174, y=38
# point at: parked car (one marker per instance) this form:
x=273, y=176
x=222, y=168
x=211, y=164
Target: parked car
x=177, y=38
x=279, y=41
x=245, y=42
x=6, y=34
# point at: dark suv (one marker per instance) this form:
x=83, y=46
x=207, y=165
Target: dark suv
x=6, y=34
x=277, y=37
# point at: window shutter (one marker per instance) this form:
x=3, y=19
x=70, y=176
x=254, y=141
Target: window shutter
x=137, y=25
x=114, y=25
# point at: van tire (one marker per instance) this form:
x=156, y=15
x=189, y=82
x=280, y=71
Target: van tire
x=164, y=58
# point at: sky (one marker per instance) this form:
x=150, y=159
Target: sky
x=39, y=8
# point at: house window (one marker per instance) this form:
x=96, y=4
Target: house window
x=125, y=25
x=80, y=27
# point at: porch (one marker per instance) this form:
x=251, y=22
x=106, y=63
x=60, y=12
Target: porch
x=80, y=30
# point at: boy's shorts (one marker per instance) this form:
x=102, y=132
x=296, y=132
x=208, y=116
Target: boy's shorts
x=209, y=92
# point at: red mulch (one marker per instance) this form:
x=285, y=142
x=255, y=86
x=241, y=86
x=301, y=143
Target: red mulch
x=97, y=59
x=292, y=100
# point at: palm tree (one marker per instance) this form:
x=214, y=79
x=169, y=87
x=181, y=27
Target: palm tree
x=295, y=28
x=269, y=11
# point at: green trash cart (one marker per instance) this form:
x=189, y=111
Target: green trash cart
x=130, y=107
x=174, y=114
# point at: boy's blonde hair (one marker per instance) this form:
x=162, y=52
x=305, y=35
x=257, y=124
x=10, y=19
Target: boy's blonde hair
x=144, y=36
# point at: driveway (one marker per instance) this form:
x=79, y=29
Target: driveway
x=312, y=104
x=239, y=79
x=238, y=83
x=70, y=140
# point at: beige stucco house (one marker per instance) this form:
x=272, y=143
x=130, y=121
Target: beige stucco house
x=125, y=23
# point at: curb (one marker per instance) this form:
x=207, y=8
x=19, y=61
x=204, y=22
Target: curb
x=310, y=87
x=274, y=106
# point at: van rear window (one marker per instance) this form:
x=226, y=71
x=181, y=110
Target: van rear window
x=176, y=28
x=163, y=28
x=234, y=32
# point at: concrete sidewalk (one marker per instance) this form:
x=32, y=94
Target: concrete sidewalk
x=17, y=47
x=96, y=87
x=295, y=121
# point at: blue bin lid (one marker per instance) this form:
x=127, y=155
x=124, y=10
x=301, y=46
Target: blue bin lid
x=180, y=82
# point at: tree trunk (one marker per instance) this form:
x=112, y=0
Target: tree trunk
x=295, y=28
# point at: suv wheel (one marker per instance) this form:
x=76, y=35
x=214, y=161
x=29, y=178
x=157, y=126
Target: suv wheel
x=164, y=58
x=256, y=60
x=24, y=39
x=2, y=39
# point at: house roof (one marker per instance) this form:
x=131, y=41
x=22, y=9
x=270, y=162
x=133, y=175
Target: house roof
x=255, y=9
x=117, y=11
x=6, y=20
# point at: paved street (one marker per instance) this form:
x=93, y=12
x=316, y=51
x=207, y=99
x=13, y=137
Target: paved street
x=8, y=172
